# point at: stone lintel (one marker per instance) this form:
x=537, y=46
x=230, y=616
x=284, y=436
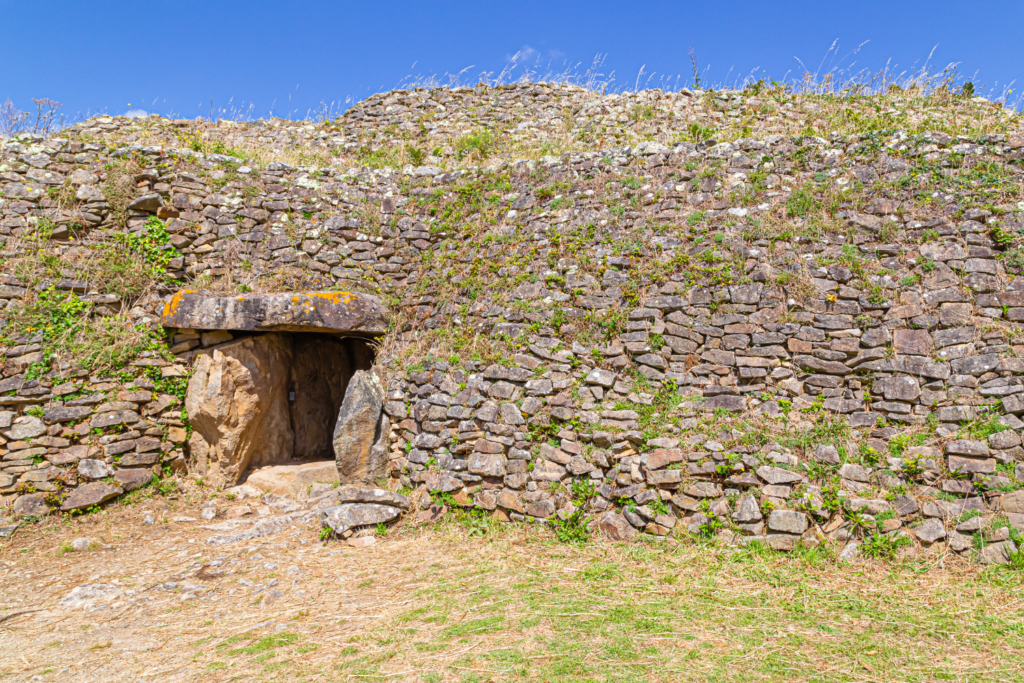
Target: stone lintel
x=349, y=312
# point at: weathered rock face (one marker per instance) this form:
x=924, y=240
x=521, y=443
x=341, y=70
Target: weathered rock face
x=31, y=506
x=357, y=431
x=237, y=402
x=282, y=312
x=90, y=494
x=615, y=527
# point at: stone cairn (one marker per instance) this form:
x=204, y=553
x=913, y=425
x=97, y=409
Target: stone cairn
x=730, y=313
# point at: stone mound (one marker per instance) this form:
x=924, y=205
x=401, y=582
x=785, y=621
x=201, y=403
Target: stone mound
x=747, y=314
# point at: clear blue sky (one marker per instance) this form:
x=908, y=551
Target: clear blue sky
x=175, y=56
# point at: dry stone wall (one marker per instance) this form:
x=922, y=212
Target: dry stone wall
x=747, y=314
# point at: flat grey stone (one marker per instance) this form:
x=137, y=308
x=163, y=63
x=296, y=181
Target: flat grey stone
x=133, y=478
x=734, y=404
x=487, y=464
x=600, y=377
x=356, y=494
x=827, y=454
x=93, y=469
x=25, y=427
x=777, y=475
x=958, y=543
x=66, y=414
x=545, y=470
x=855, y=472
x=930, y=531
x=967, y=447
x=90, y=494
x=147, y=202
x=787, y=521
x=747, y=510
x=342, y=518
x=997, y=553
x=30, y=506
x=1004, y=440
x=90, y=594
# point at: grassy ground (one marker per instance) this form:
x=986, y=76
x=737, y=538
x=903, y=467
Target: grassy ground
x=438, y=603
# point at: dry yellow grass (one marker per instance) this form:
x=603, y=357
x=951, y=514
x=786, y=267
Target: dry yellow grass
x=438, y=603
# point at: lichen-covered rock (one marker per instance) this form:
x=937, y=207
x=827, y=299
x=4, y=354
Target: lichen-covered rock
x=930, y=531
x=998, y=553
x=93, y=469
x=282, y=312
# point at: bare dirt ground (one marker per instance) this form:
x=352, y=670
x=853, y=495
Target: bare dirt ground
x=458, y=602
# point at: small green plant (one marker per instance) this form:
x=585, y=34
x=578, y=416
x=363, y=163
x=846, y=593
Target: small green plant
x=416, y=155
x=983, y=428
x=698, y=133
x=802, y=202
x=152, y=244
x=710, y=527
x=1014, y=260
x=882, y=546
x=480, y=144
x=1001, y=235
x=859, y=522
x=476, y=521
x=573, y=529
x=658, y=507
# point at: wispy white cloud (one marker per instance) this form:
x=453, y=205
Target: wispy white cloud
x=529, y=55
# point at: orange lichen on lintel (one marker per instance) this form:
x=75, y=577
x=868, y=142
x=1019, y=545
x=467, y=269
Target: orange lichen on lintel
x=172, y=306
x=335, y=298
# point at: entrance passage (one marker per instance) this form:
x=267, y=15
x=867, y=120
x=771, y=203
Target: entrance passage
x=269, y=399
x=322, y=365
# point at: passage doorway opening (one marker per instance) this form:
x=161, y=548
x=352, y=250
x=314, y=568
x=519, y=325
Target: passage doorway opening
x=276, y=398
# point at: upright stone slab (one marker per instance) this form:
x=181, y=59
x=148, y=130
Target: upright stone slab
x=357, y=431
x=237, y=403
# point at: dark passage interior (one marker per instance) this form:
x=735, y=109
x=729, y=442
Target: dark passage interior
x=322, y=365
